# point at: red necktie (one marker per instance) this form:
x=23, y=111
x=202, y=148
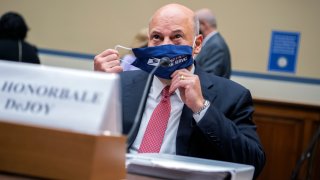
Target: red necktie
x=156, y=128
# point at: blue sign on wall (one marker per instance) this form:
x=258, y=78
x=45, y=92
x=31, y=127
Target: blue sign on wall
x=283, y=51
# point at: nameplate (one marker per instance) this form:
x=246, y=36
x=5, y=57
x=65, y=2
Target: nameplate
x=75, y=100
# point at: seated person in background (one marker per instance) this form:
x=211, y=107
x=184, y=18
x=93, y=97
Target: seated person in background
x=13, y=47
x=214, y=56
x=188, y=112
x=139, y=41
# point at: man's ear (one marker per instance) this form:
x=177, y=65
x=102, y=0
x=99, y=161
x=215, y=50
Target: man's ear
x=198, y=44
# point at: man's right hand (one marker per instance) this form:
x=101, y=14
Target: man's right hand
x=108, y=61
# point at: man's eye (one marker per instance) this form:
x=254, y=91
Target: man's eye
x=177, y=36
x=155, y=37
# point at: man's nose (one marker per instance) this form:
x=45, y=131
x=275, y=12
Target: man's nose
x=167, y=41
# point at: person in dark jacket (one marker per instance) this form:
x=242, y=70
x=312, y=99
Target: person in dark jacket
x=214, y=56
x=13, y=47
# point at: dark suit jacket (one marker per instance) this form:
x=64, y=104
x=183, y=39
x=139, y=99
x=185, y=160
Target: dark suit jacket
x=9, y=51
x=226, y=132
x=214, y=57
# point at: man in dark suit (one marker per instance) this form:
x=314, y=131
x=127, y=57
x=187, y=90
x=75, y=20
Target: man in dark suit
x=210, y=117
x=214, y=56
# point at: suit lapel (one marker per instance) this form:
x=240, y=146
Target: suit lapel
x=187, y=122
x=133, y=84
x=206, y=84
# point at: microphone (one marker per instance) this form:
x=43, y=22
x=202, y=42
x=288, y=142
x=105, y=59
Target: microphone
x=163, y=62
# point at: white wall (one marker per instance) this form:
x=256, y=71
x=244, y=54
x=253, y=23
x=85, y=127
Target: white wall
x=91, y=26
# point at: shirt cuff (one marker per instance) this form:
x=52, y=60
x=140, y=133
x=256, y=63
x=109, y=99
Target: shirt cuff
x=198, y=116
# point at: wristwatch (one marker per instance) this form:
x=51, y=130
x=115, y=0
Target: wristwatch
x=206, y=103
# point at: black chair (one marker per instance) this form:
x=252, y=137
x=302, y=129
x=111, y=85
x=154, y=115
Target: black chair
x=309, y=155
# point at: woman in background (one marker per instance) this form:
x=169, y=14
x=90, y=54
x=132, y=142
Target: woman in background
x=13, y=47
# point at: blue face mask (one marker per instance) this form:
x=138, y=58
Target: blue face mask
x=149, y=57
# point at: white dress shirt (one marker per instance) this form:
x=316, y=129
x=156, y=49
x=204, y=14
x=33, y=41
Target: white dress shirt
x=169, y=141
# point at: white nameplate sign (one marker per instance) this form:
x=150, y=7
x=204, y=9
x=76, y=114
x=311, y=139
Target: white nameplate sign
x=75, y=100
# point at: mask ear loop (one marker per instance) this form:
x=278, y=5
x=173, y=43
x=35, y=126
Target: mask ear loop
x=194, y=46
x=123, y=47
x=194, y=42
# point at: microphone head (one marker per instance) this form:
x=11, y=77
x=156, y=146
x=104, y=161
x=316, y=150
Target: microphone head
x=164, y=62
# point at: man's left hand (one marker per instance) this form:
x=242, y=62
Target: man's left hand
x=189, y=87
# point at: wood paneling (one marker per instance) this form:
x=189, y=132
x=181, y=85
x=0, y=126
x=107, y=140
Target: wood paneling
x=59, y=154
x=285, y=131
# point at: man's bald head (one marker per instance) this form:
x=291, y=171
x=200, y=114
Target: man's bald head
x=207, y=16
x=175, y=24
x=175, y=11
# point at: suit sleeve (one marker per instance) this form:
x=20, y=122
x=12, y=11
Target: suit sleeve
x=234, y=133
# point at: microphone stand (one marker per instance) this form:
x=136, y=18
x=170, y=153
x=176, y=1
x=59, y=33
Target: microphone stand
x=306, y=155
x=165, y=61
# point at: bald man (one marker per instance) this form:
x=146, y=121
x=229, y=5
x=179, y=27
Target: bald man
x=209, y=117
x=214, y=56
